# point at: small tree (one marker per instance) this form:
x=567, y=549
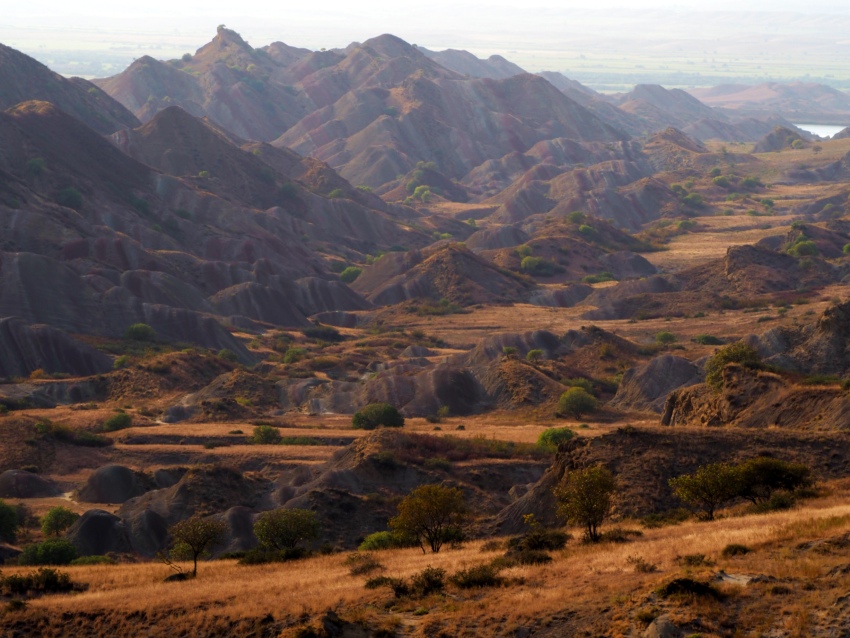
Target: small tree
x=585, y=497
x=534, y=355
x=739, y=353
x=192, y=538
x=762, y=476
x=432, y=514
x=57, y=520
x=283, y=529
x=577, y=401
x=709, y=488
x=375, y=415
x=9, y=522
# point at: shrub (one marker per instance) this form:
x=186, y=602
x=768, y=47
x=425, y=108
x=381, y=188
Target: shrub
x=694, y=200
x=721, y=181
x=739, y=353
x=598, y=279
x=70, y=197
x=577, y=217
x=227, y=355
x=56, y=520
x=322, y=333
x=735, y=549
x=665, y=338
x=375, y=415
x=294, y=355
x=584, y=498
x=284, y=528
x=53, y=551
x=523, y=557
x=708, y=340
x=432, y=514
x=575, y=402
x=687, y=587
x=140, y=332
x=266, y=435
x=336, y=194
x=9, y=522
x=43, y=581
x=361, y=563
x=551, y=438
x=93, y=560
x=477, y=577
x=537, y=266
x=579, y=382
x=119, y=421
x=383, y=540
x=351, y=273
x=804, y=248
x=36, y=166
x=428, y=581
x=641, y=565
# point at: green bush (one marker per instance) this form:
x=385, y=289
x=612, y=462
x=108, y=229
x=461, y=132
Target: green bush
x=228, y=355
x=599, y=278
x=93, y=560
x=119, y=421
x=351, y=273
x=804, y=248
x=383, y=540
x=709, y=488
x=723, y=182
x=537, y=266
x=708, y=340
x=762, y=476
x=140, y=332
x=577, y=217
x=550, y=438
x=739, y=353
x=9, y=522
x=534, y=355
x=53, y=551
x=43, y=581
x=70, y=197
x=576, y=402
x=36, y=166
x=266, y=435
x=322, y=333
x=375, y=415
x=665, y=338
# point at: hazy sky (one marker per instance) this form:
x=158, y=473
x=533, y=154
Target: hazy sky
x=538, y=35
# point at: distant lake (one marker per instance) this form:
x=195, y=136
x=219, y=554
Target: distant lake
x=822, y=130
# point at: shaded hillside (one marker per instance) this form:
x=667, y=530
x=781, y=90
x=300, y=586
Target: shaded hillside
x=452, y=272
x=22, y=79
x=495, y=67
x=644, y=460
x=796, y=101
x=226, y=79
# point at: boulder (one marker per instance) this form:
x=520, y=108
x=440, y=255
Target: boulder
x=113, y=484
x=646, y=387
x=98, y=532
x=21, y=484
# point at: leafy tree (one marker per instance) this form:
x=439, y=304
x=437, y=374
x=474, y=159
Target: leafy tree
x=550, y=438
x=140, y=332
x=709, y=488
x=283, y=529
x=804, y=248
x=584, y=498
x=534, y=355
x=9, y=522
x=351, y=273
x=577, y=401
x=57, y=520
x=193, y=537
x=762, y=476
x=266, y=435
x=375, y=415
x=433, y=515
x=739, y=353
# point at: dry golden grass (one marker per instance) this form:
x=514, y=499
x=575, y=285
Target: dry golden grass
x=594, y=579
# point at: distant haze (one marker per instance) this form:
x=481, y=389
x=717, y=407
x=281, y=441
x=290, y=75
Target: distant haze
x=612, y=45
